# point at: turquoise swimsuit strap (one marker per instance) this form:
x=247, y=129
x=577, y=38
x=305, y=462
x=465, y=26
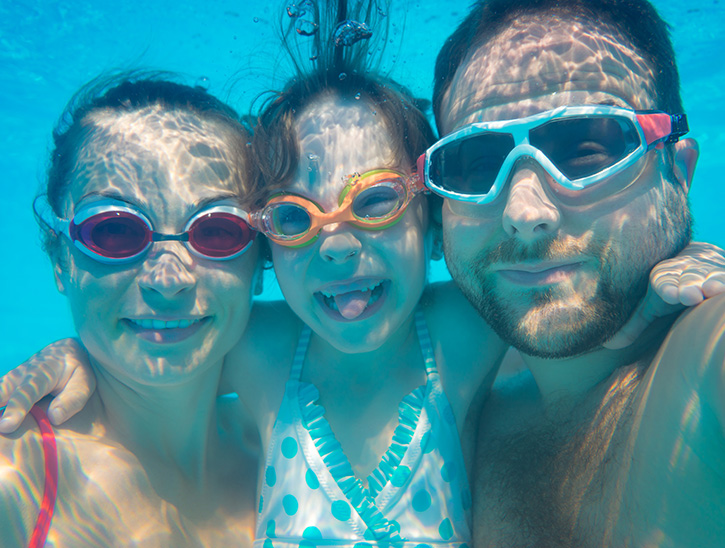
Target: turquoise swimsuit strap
x=302, y=344
x=426, y=346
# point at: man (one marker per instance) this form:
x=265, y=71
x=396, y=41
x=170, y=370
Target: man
x=552, y=223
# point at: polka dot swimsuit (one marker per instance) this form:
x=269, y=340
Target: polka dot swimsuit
x=418, y=495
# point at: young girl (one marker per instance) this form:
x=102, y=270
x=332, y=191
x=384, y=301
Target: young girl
x=361, y=388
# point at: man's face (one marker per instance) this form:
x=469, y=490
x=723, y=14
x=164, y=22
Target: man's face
x=558, y=273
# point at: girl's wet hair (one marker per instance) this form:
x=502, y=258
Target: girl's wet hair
x=324, y=66
x=130, y=92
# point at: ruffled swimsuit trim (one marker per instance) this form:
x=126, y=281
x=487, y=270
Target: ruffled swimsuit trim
x=336, y=461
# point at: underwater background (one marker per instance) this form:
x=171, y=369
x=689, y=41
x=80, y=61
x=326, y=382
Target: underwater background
x=48, y=49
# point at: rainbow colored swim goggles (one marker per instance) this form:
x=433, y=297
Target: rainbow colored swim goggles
x=374, y=200
x=579, y=146
x=111, y=232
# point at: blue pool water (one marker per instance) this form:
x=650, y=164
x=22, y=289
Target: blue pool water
x=49, y=48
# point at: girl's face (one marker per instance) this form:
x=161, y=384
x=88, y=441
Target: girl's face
x=353, y=287
x=168, y=312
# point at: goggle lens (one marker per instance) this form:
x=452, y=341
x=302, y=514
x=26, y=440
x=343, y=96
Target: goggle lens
x=219, y=235
x=379, y=202
x=285, y=221
x=113, y=234
x=470, y=165
x=581, y=147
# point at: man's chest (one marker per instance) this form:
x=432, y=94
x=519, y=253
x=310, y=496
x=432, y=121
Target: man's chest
x=629, y=474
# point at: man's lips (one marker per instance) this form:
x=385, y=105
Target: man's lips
x=167, y=330
x=538, y=274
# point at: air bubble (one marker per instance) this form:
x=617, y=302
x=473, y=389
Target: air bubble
x=256, y=19
x=304, y=13
x=342, y=76
x=357, y=96
x=349, y=32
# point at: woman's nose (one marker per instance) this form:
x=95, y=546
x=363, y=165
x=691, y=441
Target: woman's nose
x=167, y=274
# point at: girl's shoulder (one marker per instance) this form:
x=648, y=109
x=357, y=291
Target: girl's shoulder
x=452, y=316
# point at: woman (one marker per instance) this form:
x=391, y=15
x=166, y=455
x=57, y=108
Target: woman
x=149, y=241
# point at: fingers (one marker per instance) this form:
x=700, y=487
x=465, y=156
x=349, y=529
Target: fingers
x=23, y=398
x=73, y=397
x=22, y=388
x=676, y=284
x=9, y=382
x=714, y=285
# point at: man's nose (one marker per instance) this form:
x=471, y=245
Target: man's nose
x=530, y=214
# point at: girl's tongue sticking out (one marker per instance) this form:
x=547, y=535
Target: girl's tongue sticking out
x=353, y=303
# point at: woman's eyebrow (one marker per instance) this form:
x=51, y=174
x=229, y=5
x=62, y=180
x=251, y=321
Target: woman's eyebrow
x=110, y=195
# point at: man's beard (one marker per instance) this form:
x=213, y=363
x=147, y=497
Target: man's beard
x=545, y=324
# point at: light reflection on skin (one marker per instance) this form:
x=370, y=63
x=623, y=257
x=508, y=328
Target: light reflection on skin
x=530, y=226
x=343, y=137
x=167, y=166
x=154, y=457
x=580, y=460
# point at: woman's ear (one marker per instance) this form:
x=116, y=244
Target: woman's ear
x=60, y=274
x=686, y=152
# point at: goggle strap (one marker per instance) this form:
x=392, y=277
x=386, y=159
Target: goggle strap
x=417, y=185
x=679, y=128
x=660, y=125
x=420, y=167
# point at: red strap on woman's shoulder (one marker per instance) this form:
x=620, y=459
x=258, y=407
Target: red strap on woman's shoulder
x=50, y=455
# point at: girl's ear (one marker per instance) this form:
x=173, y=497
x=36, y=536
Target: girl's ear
x=685, y=159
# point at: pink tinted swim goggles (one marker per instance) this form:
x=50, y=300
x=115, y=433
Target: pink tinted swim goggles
x=579, y=146
x=111, y=232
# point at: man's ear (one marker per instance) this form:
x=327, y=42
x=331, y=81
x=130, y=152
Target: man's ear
x=686, y=152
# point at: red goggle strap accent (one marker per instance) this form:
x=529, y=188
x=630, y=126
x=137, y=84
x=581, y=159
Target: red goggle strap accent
x=660, y=125
x=420, y=168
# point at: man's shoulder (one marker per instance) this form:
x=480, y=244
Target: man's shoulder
x=697, y=338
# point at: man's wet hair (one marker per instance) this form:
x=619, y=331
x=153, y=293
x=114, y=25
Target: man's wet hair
x=131, y=92
x=324, y=68
x=637, y=20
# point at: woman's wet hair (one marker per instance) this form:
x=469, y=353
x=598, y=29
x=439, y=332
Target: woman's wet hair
x=132, y=92
x=338, y=59
x=637, y=20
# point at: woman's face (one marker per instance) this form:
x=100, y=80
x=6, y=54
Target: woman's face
x=353, y=287
x=169, y=312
